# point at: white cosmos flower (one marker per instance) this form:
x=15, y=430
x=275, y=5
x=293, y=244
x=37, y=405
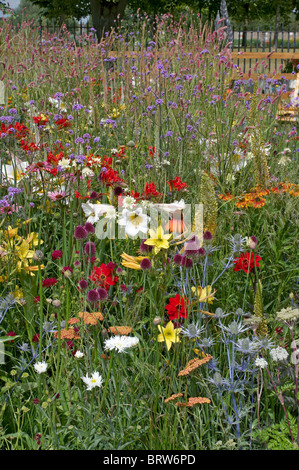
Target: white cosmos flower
x=134, y=222
x=94, y=381
x=120, y=343
x=95, y=211
x=40, y=367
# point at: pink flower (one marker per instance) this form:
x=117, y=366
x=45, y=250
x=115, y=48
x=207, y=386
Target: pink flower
x=56, y=195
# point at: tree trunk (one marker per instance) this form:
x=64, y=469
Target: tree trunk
x=245, y=27
x=277, y=18
x=105, y=14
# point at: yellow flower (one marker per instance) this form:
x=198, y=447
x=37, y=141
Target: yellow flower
x=10, y=232
x=33, y=239
x=132, y=262
x=204, y=294
x=23, y=251
x=158, y=240
x=169, y=334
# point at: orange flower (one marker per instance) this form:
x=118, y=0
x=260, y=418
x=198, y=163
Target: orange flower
x=194, y=401
x=225, y=197
x=67, y=334
x=91, y=318
x=194, y=364
x=120, y=330
x=73, y=321
x=173, y=397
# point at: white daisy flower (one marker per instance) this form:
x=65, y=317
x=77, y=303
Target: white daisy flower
x=94, y=381
x=40, y=367
x=120, y=343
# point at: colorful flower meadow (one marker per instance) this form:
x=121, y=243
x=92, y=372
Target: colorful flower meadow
x=127, y=322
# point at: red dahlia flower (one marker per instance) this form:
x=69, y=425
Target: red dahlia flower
x=177, y=307
x=103, y=276
x=246, y=261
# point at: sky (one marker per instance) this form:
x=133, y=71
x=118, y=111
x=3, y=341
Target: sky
x=12, y=4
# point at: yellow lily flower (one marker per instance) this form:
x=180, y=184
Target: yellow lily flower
x=158, y=239
x=23, y=251
x=169, y=334
x=33, y=239
x=10, y=232
x=204, y=294
x=132, y=262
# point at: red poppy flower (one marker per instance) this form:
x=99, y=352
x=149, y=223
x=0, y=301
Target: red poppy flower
x=103, y=276
x=246, y=261
x=177, y=307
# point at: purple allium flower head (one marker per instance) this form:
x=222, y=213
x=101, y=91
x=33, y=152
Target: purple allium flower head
x=90, y=248
x=103, y=294
x=83, y=284
x=177, y=259
x=207, y=235
x=89, y=227
x=93, y=296
x=145, y=264
x=80, y=233
x=201, y=251
x=186, y=262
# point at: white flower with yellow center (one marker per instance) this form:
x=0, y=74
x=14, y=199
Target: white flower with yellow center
x=134, y=222
x=94, y=381
x=65, y=163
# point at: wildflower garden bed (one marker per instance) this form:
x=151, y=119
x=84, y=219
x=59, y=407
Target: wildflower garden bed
x=148, y=245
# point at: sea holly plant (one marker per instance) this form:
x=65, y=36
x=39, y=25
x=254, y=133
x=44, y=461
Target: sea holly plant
x=283, y=376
